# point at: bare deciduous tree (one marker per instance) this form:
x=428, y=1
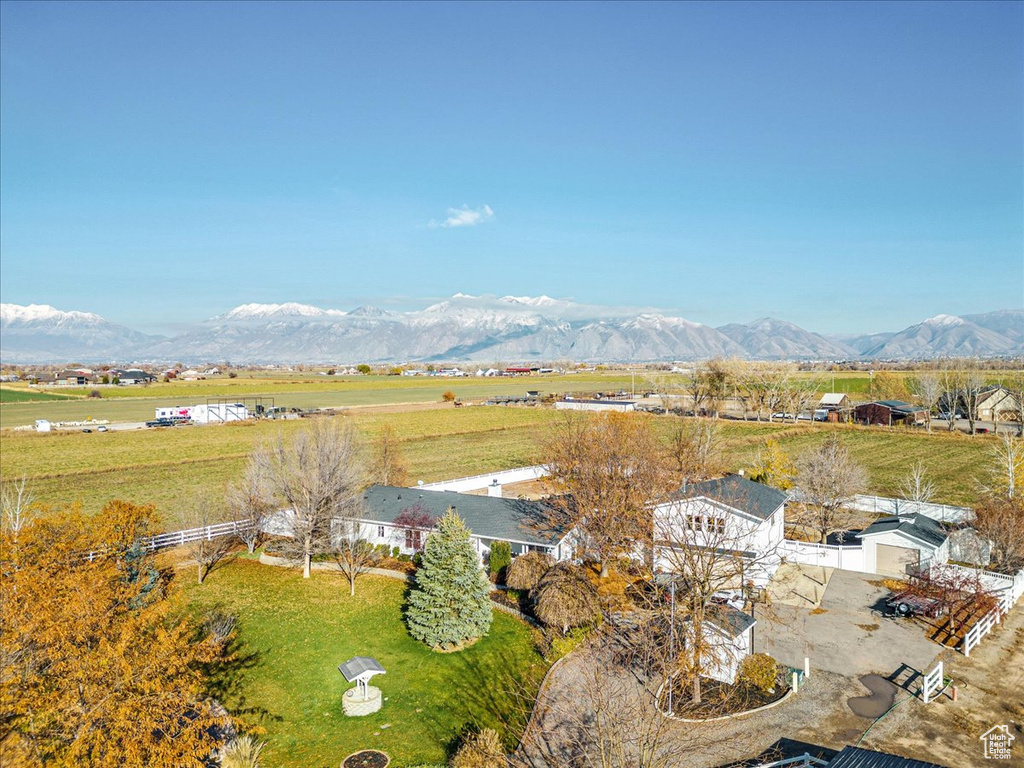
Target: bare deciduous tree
x=353, y=554
x=1007, y=467
x=829, y=477
x=205, y=551
x=250, y=503
x=694, y=451
x=610, y=716
x=387, y=465
x=604, y=473
x=564, y=597
x=317, y=475
x=1000, y=519
x=927, y=388
x=916, y=486
x=16, y=501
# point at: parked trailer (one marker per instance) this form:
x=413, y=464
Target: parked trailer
x=215, y=413
x=175, y=413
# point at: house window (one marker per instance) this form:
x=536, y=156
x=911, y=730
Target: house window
x=380, y=531
x=696, y=522
x=716, y=525
x=412, y=539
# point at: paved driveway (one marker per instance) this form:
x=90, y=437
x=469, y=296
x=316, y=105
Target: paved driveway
x=844, y=635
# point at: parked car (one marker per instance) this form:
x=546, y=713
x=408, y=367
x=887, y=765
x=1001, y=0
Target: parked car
x=782, y=415
x=101, y=428
x=87, y=430
x=160, y=423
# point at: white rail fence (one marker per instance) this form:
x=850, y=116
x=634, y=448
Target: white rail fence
x=478, y=482
x=1007, y=589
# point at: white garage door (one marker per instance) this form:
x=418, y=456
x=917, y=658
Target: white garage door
x=893, y=561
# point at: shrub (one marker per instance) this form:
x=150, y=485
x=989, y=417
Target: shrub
x=480, y=750
x=243, y=752
x=565, y=597
x=563, y=646
x=383, y=550
x=760, y=670
x=395, y=552
x=95, y=393
x=500, y=559
x=449, y=603
x=402, y=558
x=232, y=375
x=417, y=559
x=363, y=368
x=448, y=396
x=526, y=570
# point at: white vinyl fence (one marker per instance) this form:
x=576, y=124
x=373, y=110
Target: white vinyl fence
x=479, y=482
x=884, y=505
x=848, y=557
x=1006, y=589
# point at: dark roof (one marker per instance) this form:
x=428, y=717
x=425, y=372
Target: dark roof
x=357, y=665
x=898, y=406
x=488, y=516
x=757, y=499
x=855, y=757
x=919, y=527
x=732, y=620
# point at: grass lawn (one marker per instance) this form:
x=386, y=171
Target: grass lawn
x=294, y=633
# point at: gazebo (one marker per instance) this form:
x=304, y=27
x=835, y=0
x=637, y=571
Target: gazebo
x=364, y=698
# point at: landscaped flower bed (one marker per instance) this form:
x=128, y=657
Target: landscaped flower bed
x=719, y=699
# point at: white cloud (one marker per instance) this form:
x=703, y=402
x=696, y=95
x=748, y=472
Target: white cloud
x=465, y=217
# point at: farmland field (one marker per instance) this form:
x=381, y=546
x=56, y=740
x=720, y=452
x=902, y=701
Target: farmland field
x=25, y=395
x=139, y=403
x=168, y=467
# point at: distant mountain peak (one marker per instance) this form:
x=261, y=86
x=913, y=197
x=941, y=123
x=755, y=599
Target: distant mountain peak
x=11, y=313
x=944, y=320
x=287, y=309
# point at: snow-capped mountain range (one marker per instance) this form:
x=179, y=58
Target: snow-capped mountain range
x=481, y=329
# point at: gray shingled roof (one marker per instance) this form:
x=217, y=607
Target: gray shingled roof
x=919, y=527
x=732, y=620
x=899, y=406
x=357, y=665
x=487, y=516
x=856, y=757
x=757, y=499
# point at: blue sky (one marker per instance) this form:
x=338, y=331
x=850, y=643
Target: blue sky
x=844, y=166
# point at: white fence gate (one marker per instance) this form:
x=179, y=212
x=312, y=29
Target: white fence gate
x=845, y=557
x=932, y=684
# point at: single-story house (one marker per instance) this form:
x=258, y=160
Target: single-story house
x=135, y=376
x=898, y=544
x=731, y=514
x=889, y=412
x=389, y=511
x=834, y=401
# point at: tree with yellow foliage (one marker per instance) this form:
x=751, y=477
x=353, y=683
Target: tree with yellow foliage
x=773, y=467
x=99, y=664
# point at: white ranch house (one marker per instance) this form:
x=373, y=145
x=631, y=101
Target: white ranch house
x=524, y=524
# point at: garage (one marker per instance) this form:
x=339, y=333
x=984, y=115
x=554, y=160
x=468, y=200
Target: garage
x=894, y=544
x=893, y=561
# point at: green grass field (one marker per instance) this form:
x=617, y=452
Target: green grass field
x=295, y=632
x=169, y=467
x=26, y=395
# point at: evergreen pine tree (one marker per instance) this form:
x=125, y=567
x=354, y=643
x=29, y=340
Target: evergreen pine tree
x=449, y=604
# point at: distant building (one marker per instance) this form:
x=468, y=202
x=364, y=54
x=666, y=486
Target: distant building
x=595, y=405
x=215, y=413
x=834, y=401
x=889, y=413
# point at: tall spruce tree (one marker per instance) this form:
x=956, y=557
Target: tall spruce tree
x=449, y=604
